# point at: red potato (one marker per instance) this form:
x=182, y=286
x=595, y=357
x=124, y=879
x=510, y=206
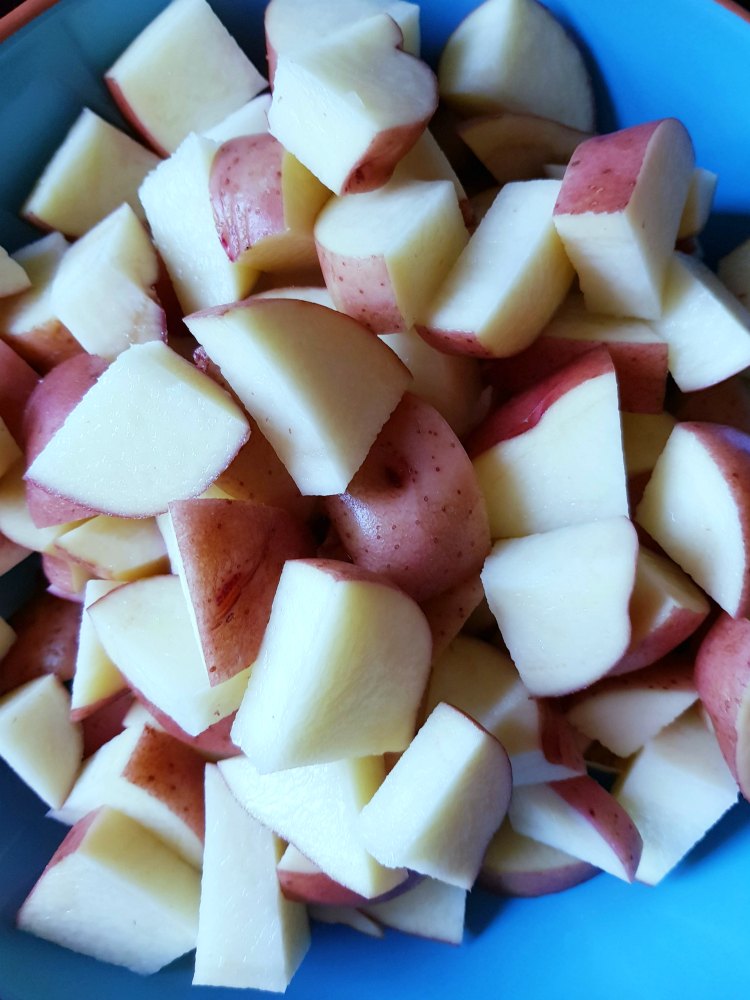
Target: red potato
x=317, y=809
x=183, y=73
x=448, y=612
x=456, y=801
x=385, y=254
x=694, y=300
x=151, y=777
x=110, y=921
x=104, y=721
x=46, y=642
x=291, y=25
x=27, y=321
x=624, y=713
x=249, y=936
x=214, y=743
x=482, y=681
x=67, y=578
x=47, y=409
x=188, y=429
x=726, y=403
x=561, y=599
x=485, y=65
x=413, y=511
x=527, y=452
x=619, y=211
x=432, y=909
x=265, y=204
x=146, y=631
x=38, y=739
x=579, y=817
x=665, y=609
x=508, y=282
x=302, y=880
x=722, y=676
x=96, y=168
x=271, y=350
x=450, y=383
x=311, y=110
x=638, y=355
x=256, y=473
x=347, y=682
x=516, y=147
x=696, y=506
x=17, y=382
x=518, y=866
x=232, y=554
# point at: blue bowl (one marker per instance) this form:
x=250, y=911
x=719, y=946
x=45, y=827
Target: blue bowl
x=686, y=938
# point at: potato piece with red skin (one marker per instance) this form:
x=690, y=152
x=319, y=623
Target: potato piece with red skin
x=579, y=817
x=264, y=204
x=696, y=506
x=722, y=676
x=17, y=382
x=618, y=213
x=232, y=554
x=448, y=612
x=48, y=406
x=414, y=512
x=515, y=865
x=46, y=641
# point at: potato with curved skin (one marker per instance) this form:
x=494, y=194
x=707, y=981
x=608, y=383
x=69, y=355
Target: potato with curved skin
x=414, y=511
x=722, y=676
x=59, y=392
x=515, y=865
x=265, y=204
x=352, y=146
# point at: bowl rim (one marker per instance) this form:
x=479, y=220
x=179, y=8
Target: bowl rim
x=30, y=9
x=22, y=15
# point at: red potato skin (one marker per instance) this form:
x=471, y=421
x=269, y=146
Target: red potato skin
x=673, y=672
x=533, y=883
x=17, y=382
x=414, y=511
x=727, y=403
x=103, y=721
x=377, y=164
x=680, y=625
x=214, y=743
x=604, y=170
x=447, y=613
x=45, y=346
x=722, y=677
x=361, y=287
x=460, y=342
x=730, y=450
x=641, y=369
x=46, y=642
x=167, y=769
x=523, y=412
x=319, y=888
x=559, y=740
x=59, y=573
x=48, y=407
x=245, y=188
x=233, y=553
x=606, y=815
x=131, y=117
